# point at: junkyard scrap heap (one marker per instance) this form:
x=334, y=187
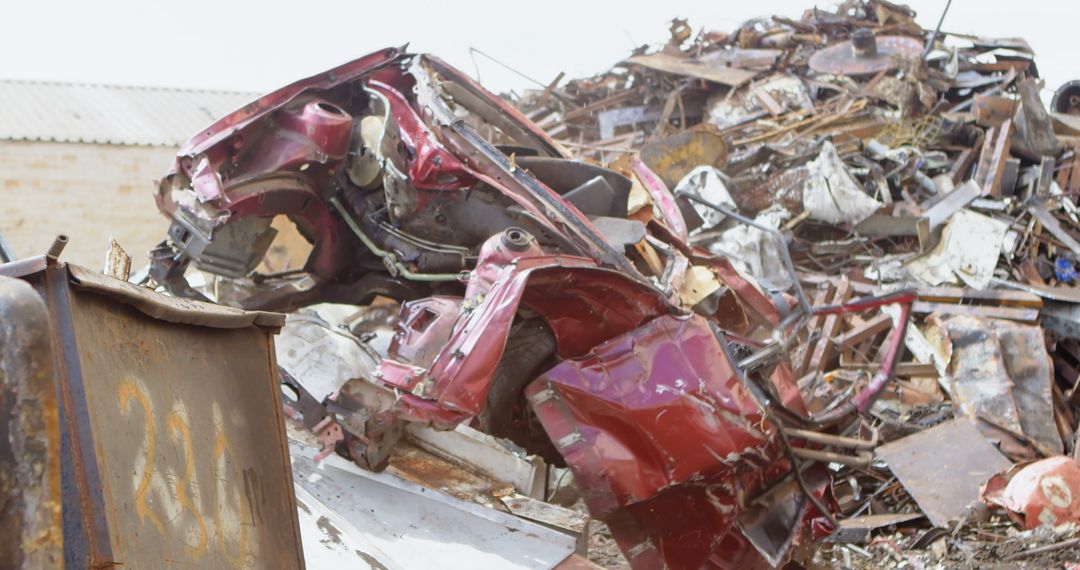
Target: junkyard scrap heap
x=804, y=292
x=692, y=280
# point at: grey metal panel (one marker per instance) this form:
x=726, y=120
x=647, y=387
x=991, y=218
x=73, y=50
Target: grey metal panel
x=109, y=114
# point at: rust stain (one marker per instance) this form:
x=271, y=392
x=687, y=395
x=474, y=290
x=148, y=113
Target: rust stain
x=253, y=490
x=428, y=470
x=333, y=535
x=375, y=564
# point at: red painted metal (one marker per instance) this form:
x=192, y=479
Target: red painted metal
x=423, y=327
x=506, y=109
x=430, y=166
x=645, y=405
x=248, y=114
x=1043, y=493
x=665, y=442
x=583, y=304
x=663, y=197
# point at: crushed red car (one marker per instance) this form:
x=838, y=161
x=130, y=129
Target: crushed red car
x=549, y=301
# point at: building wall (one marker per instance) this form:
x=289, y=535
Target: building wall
x=87, y=191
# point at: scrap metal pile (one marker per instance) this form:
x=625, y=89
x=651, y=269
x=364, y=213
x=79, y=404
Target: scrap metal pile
x=793, y=293
x=887, y=157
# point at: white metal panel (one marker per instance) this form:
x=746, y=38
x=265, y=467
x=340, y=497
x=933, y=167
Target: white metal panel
x=379, y=518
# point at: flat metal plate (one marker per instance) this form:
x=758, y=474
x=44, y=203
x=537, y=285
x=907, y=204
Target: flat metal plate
x=943, y=467
x=858, y=529
x=379, y=520
x=187, y=437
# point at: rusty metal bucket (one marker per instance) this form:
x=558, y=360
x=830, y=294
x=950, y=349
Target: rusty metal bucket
x=172, y=443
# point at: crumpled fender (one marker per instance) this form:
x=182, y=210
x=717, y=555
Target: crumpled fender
x=665, y=442
x=567, y=291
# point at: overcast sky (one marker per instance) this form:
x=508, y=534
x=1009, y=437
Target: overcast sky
x=261, y=45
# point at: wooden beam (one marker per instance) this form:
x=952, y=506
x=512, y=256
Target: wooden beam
x=905, y=369
x=825, y=351
x=992, y=184
x=1023, y=315
x=987, y=296
x=801, y=360
x=869, y=329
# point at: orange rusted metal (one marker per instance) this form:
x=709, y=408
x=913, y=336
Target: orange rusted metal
x=171, y=428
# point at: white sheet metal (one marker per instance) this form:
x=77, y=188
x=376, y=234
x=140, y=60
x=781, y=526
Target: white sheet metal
x=359, y=519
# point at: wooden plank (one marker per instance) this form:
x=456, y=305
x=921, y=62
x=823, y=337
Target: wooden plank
x=906, y=369
x=881, y=322
x=549, y=89
x=861, y=354
x=802, y=356
x=589, y=110
x=992, y=184
x=1019, y=65
x=1064, y=370
x=825, y=351
x=962, y=165
x=944, y=294
x=1064, y=173
x=771, y=105
x=1023, y=315
x=1074, y=177
x=1063, y=416
x=1071, y=347
x=995, y=296
x=860, y=288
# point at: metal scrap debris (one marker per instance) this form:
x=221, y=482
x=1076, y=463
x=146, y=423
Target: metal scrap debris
x=840, y=250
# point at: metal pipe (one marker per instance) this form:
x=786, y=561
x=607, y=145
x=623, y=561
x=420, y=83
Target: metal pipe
x=862, y=460
x=796, y=470
x=57, y=246
x=385, y=255
x=937, y=30
x=832, y=440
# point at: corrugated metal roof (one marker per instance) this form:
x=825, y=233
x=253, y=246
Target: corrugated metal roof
x=109, y=114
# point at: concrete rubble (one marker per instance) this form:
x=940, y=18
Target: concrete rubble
x=799, y=294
